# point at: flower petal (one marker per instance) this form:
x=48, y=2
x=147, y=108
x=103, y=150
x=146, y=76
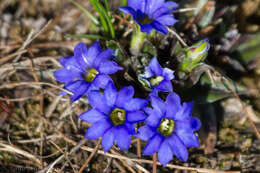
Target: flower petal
x=167, y=19
x=173, y=105
x=145, y=132
x=130, y=128
x=123, y=139
x=135, y=116
x=168, y=74
x=98, y=129
x=135, y=104
x=93, y=52
x=159, y=27
x=78, y=88
x=110, y=94
x=137, y=4
x=152, y=5
x=178, y=147
x=153, y=145
x=92, y=116
x=98, y=101
x=154, y=117
x=103, y=56
x=165, y=86
x=109, y=67
x=155, y=67
x=80, y=54
x=70, y=63
x=165, y=153
x=195, y=123
x=147, y=28
x=100, y=81
x=158, y=104
x=128, y=10
x=64, y=75
x=108, y=139
x=185, y=112
x=124, y=95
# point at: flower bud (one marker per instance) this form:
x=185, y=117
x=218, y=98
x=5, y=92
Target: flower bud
x=194, y=55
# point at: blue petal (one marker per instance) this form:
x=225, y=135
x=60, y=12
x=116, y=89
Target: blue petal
x=100, y=81
x=147, y=28
x=187, y=137
x=108, y=139
x=154, y=117
x=158, y=104
x=153, y=145
x=98, y=101
x=109, y=67
x=178, y=148
x=123, y=139
x=168, y=20
x=64, y=75
x=92, y=116
x=110, y=94
x=173, y=105
x=135, y=116
x=70, y=63
x=103, y=56
x=165, y=9
x=195, y=123
x=159, y=27
x=145, y=132
x=185, y=112
x=135, y=104
x=98, y=129
x=130, y=128
x=93, y=52
x=164, y=86
x=137, y=4
x=155, y=67
x=168, y=74
x=128, y=10
x=152, y=6
x=80, y=53
x=124, y=95
x=78, y=88
x=165, y=153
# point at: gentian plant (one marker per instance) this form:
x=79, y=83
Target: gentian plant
x=113, y=116
x=169, y=128
x=157, y=78
x=87, y=70
x=151, y=14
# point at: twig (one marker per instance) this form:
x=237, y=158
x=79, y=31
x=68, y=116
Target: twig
x=177, y=36
x=154, y=163
x=139, y=151
x=184, y=10
x=11, y=85
x=90, y=157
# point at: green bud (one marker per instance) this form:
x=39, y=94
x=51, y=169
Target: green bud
x=194, y=55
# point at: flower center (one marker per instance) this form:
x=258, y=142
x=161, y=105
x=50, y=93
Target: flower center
x=91, y=74
x=166, y=127
x=145, y=20
x=155, y=80
x=117, y=116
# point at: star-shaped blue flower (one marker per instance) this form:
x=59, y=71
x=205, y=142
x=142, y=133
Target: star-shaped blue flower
x=113, y=115
x=151, y=14
x=158, y=78
x=87, y=70
x=169, y=128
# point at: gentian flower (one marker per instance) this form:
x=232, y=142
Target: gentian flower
x=157, y=78
x=87, y=70
x=113, y=115
x=169, y=128
x=151, y=14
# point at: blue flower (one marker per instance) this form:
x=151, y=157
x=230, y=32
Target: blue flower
x=151, y=14
x=113, y=115
x=169, y=128
x=87, y=70
x=158, y=78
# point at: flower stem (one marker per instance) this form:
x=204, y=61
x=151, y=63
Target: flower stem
x=154, y=163
x=137, y=40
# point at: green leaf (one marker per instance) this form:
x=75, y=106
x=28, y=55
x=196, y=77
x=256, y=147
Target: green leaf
x=89, y=36
x=104, y=17
x=94, y=20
